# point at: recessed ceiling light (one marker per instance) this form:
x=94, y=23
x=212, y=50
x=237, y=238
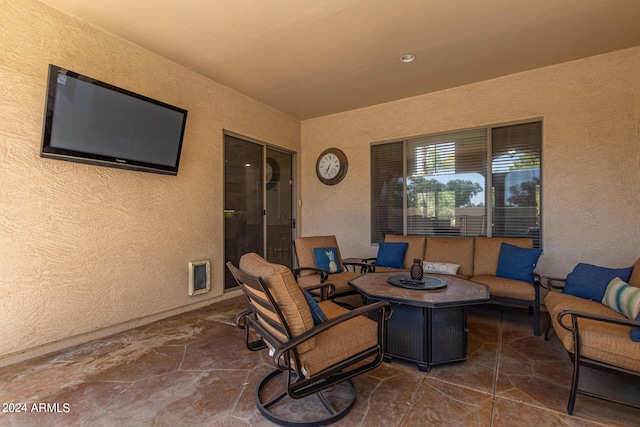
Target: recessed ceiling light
x=407, y=58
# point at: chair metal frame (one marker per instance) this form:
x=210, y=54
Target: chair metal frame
x=286, y=358
x=579, y=360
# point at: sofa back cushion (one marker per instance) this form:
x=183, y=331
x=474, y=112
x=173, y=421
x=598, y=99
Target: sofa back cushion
x=454, y=250
x=634, y=280
x=415, y=249
x=487, y=252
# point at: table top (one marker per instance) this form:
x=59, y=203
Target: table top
x=457, y=293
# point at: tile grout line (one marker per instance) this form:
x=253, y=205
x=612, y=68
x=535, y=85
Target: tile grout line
x=497, y=370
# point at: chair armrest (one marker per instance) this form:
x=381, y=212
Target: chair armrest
x=364, y=266
x=324, y=274
x=552, y=283
x=381, y=306
x=326, y=290
x=371, y=262
x=575, y=315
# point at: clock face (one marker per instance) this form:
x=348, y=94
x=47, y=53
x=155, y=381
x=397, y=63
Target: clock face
x=331, y=166
x=269, y=172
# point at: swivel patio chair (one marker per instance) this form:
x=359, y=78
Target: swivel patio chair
x=313, y=357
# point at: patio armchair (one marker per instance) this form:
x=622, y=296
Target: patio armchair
x=312, y=356
x=309, y=250
x=593, y=334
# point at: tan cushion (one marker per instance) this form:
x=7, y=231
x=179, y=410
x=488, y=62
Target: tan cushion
x=339, y=280
x=289, y=297
x=304, y=247
x=507, y=288
x=415, y=249
x=600, y=341
x=340, y=342
x=487, y=252
x=456, y=250
x=635, y=275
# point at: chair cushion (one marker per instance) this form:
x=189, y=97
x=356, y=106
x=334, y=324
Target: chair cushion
x=605, y=342
x=487, y=252
x=634, y=280
x=517, y=263
x=590, y=281
x=635, y=331
x=391, y=254
x=339, y=280
x=414, y=250
x=304, y=251
x=623, y=298
x=454, y=250
x=279, y=280
x=340, y=342
x=327, y=259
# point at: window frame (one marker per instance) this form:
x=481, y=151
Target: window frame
x=488, y=226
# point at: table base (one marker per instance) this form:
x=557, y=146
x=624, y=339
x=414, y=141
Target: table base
x=426, y=336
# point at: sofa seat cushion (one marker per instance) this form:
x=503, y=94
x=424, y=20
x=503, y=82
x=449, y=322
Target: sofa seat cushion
x=605, y=342
x=454, y=250
x=339, y=280
x=507, y=288
x=340, y=342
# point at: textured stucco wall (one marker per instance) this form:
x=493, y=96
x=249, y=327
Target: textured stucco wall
x=84, y=248
x=591, y=155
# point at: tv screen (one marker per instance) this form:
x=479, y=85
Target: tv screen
x=89, y=121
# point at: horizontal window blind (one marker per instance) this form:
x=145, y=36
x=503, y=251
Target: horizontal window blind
x=515, y=161
x=387, y=190
x=446, y=183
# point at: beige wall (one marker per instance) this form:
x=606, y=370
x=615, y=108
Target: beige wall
x=85, y=248
x=591, y=155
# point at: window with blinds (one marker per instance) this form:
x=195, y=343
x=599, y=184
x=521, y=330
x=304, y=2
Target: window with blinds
x=437, y=185
x=387, y=190
x=446, y=183
x=515, y=176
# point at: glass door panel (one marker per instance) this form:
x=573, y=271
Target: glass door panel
x=243, y=201
x=279, y=200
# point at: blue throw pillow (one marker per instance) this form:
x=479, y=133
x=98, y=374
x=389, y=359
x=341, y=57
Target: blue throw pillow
x=635, y=331
x=316, y=312
x=590, y=281
x=517, y=263
x=327, y=259
x=391, y=254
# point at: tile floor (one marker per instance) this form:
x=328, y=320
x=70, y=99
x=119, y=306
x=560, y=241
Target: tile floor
x=193, y=370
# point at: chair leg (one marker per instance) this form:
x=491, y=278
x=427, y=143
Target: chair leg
x=342, y=397
x=574, y=386
x=548, y=328
x=536, y=319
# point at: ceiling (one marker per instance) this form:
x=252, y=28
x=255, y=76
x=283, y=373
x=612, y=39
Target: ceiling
x=310, y=58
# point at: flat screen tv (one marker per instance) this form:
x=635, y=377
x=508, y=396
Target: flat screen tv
x=89, y=121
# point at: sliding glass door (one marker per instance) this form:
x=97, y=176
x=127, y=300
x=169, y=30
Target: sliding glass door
x=258, y=202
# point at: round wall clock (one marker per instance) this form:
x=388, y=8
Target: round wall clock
x=331, y=166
